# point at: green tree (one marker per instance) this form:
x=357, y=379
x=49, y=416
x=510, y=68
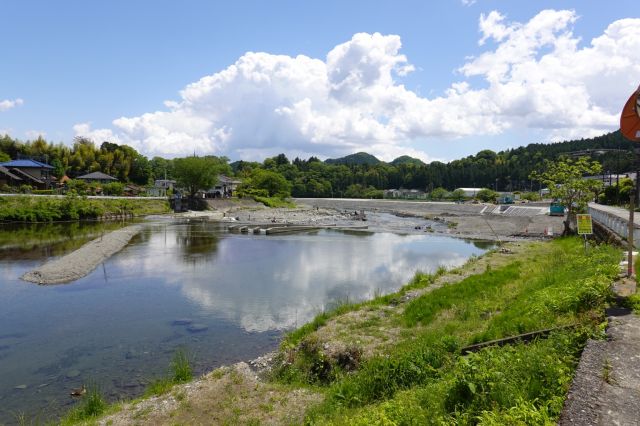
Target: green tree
x=58, y=168
x=196, y=173
x=438, y=193
x=567, y=184
x=457, y=195
x=4, y=157
x=273, y=182
x=487, y=195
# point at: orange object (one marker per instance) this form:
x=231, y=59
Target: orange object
x=630, y=117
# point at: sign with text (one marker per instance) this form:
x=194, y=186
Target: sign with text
x=585, y=225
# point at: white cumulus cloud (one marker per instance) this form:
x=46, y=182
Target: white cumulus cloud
x=35, y=134
x=8, y=104
x=534, y=75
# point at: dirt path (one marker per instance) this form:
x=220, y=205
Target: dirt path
x=81, y=262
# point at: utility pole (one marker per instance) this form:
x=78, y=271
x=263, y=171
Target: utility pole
x=632, y=207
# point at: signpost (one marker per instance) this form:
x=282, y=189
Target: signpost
x=585, y=227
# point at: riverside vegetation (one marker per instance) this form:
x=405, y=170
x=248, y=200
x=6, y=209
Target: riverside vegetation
x=46, y=209
x=400, y=361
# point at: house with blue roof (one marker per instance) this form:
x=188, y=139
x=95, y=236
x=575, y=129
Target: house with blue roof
x=29, y=172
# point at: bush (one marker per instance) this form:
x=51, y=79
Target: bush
x=531, y=196
x=113, y=188
x=487, y=195
x=439, y=194
x=25, y=189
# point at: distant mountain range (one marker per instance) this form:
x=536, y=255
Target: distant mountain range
x=360, y=158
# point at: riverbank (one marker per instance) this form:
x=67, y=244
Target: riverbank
x=474, y=221
x=28, y=208
x=82, y=261
x=399, y=357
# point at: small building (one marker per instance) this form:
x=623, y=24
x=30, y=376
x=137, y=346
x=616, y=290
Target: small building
x=31, y=172
x=161, y=187
x=97, y=177
x=225, y=187
x=408, y=194
x=9, y=179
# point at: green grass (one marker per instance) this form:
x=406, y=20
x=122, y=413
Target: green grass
x=50, y=209
x=91, y=406
x=424, y=380
x=420, y=280
x=180, y=372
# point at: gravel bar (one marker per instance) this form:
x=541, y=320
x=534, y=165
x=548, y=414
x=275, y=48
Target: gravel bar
x=81, y=262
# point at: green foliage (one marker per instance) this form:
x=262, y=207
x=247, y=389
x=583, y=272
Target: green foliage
x=358, y=191
x=425, y=308
x=359, y=158
x=405, y=159
x=487, y=195
x=4, y=157
x=91, y=406
x=506, y=170
x=77, y=186
x=566, y=183
x=439, y=194
x=424, y=379
x=181, y=367
x=457, y=195
x=198, y=173
x=270, y=181
x=633, y=302
x=113, y=188
x=180, y=372
x=531, y=196
x=49, y=209
x=618, y=193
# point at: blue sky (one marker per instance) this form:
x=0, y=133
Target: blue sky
x=387, y=77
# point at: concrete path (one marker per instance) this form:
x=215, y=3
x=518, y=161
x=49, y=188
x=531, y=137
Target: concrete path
x=606, y=388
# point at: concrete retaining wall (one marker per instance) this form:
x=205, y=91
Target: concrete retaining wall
x=616, y=224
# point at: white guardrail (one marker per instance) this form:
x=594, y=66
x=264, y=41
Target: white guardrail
x=616, y=223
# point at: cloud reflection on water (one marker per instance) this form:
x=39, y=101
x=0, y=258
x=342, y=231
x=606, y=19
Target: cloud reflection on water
x=279, y=282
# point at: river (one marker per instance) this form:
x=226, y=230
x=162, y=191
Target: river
x=222, y=297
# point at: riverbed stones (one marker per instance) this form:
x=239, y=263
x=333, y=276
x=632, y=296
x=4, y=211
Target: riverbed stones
x=197, y=327
x=72, y=374
x=182, y=321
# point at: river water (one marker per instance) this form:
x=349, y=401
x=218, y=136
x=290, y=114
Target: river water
x=223, y=297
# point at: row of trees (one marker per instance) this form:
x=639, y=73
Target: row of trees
x=359, y=175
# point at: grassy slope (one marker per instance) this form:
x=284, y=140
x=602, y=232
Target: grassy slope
x=396, y=359
x=422, y=376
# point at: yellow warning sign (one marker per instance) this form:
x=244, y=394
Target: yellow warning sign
x=585, y=226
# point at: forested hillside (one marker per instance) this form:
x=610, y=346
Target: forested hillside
x=354, y=175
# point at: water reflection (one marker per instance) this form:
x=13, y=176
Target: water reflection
x=278, y=282
x=38, y=240
x=118, y=326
